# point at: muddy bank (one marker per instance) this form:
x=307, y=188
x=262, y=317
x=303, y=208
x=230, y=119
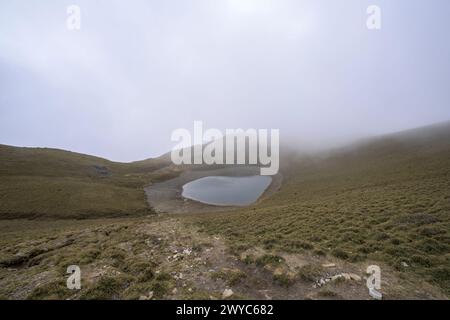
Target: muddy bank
x=165, y=197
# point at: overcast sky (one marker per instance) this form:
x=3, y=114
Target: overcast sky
x=137, y=70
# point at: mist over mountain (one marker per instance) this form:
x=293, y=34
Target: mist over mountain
x=255, y=150
x=135, y=72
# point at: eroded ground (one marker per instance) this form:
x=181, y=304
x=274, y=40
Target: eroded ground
x=169, y=257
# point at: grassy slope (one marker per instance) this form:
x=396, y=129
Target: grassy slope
x=384, y=200
x=38, y=182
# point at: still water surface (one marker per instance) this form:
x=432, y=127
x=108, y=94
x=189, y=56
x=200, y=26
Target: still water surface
x=227, y=191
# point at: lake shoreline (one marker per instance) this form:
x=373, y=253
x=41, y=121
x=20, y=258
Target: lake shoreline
x=166, y=197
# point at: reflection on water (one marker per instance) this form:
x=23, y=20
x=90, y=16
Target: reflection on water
x=227, y=191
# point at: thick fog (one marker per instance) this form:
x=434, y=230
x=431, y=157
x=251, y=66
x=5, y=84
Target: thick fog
x=137, y=70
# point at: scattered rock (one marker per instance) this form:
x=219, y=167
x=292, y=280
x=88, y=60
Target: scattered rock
x=149, y=297
x=174, y=291
x=227, y=293
x=346, y=276
x=334, y=278
x=404, y=264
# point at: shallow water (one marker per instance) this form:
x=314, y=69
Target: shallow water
x=227, y=191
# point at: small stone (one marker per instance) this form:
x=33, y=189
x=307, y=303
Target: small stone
x=355, y=277
x=174, y=291
x=334, y=278
x=227, y=293
x=346, y=276
x=329, y=265
x=149, y=297
x=404, y=264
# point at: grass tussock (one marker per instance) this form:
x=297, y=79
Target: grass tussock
x=387, y=200
x=49, y=183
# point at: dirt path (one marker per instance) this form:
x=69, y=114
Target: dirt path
x=204, y=266
x=167, y=257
